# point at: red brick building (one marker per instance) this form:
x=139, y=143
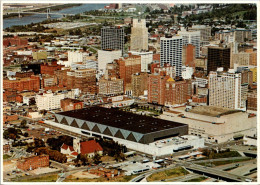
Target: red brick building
x=177, y=92
x=156, y=88
x=252, y=100
x=6, y=148
x=17, y=41
x=188, y=55
x=154, y=66
x=83, y=79
x=129, y=66
x=21, y=84
x=34, y=162
x=7, y=117
x=24, y=74
x=49, y=68
x=61, y=76
x=199, y=99
x=68, y=104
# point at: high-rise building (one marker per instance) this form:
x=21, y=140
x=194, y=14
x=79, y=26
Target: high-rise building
x=112, y=38
x=171, y=52
x=225, y=90
x=128, y=66
x=188, y=55
x=205, y=33
x=139, y=35
x=156, y=88
x=191, y=37
x=139, y=83
x=218, y=57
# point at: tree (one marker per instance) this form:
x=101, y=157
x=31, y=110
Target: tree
x=96, y=158
x=26, y=134
x=147, y=10
x=84, y=159
x=23, y=123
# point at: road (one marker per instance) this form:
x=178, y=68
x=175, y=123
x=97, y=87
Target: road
x=216, y=173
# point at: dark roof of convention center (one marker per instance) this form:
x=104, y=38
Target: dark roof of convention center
x=121, y=119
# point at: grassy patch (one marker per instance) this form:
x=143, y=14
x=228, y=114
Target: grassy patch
x=5, y=156
x=167, y=174
x=102, y=179
x=218, y=163
x=46, y=178
x=199, y=179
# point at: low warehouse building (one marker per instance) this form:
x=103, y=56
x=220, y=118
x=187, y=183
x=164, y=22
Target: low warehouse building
x=141, y=133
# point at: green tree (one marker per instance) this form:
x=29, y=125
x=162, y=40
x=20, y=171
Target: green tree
x=96, y=158
x=23, y=123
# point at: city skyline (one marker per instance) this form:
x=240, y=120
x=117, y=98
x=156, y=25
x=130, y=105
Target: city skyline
x=126, y=92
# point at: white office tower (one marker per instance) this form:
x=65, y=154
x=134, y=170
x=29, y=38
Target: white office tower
x=191, y=37
x=139, y=35
x=146, y=59
x=225, y=90
x=171, y=52
x=105, y=57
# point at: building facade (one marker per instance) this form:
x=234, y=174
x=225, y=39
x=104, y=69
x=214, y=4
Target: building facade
x=188, y=55
x=20, y=84
x=139, y=35
x=105, y=57
x=191, y=37
x=146, y=59
x=171, y=52
x=139, y=83
x=156, y=88
x=225, y=90
x=112, y=38
x=218, y=57
x=34, y=162
x=83, y=79
x=111, y=87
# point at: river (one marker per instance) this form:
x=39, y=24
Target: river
x=41, y=17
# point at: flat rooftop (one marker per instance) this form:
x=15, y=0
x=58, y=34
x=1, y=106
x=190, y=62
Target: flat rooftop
x=213, y=111
x=121, y=119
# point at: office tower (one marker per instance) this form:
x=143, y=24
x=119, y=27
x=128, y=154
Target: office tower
x=112, y=38
x=139, y=35
x=205, y=33
x=191, y=37
x=171, y=52
x=225, y=90
x=218, y=57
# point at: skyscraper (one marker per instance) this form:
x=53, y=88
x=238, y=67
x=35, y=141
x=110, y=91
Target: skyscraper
x=139, y=35
x=191, y=37
x=218, y=57
x=112, y=38
x=225, y=90
x=171, y=52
